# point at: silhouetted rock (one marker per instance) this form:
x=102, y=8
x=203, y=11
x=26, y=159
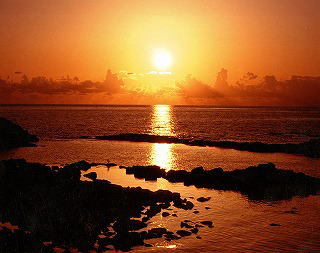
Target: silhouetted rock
x=165, y=214
x=91, y=175
x=203, y=199
x=54, y=205
x=185, y=225
x=13, y=136
x=207, y=223
x=183, y=233
x=156, y=233
x=310, y=148
x=18, y=241
x=147, y=172
x=264, y=181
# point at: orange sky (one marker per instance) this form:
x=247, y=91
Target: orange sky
x=84, y=38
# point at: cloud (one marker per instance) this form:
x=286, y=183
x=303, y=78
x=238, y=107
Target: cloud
x=193, y=88
x=149, y=88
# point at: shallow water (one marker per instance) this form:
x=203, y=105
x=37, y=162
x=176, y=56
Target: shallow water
x=168, y=156
x=240, y=225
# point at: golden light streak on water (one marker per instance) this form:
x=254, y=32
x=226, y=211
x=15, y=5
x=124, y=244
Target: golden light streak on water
x=161, y=153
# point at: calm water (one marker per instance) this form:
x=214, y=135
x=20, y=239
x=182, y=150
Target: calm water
x=270, y=125
x=240, y=225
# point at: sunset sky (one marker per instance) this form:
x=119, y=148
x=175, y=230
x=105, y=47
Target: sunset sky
x=85, y=38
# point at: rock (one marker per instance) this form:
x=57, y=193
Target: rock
x=91, y=175
x=207, y=207
x=203, y=199
x=82, y=165
x=175, y=176
x=194, y=230
x=196, y=212
x=110, y=165
x=274, y=224
x=174, y=215
x=310, y=148
x=128, y=225
x=165, y=214
x=147, y=172
x=125, y=241
x=198, y=237
x=183, y=233
x=156, y=233
x=207, y=223
x=148, y=245
x=185, y=225
x=171, y=236
x=13, y=136
x=82, y=210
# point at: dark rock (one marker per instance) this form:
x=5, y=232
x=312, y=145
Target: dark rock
x=264, y=181
x=183, y=233
x=203, y=199
x=185, y=225
x=111, y=164
x=147, y=172
x=171, y=236
x=198, y=237
x=275, y=225
x=125, y=241
x=13, y=136
x=194, y=230
x=196, y=212
x=310, y=148
x=165, y=214
x=207, y=223
x=82, y=165
x=174, y=215
x=128, y=225
x=156, y=233
x=72, y=213
x=91, y=175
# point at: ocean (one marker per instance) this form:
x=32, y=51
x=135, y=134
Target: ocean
x=67, y=134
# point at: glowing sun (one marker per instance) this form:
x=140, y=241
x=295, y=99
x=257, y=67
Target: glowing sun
x=162, y=59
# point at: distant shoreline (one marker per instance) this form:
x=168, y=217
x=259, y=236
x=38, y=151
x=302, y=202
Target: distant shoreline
x=147, y=105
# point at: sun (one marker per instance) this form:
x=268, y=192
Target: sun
x=162, y=59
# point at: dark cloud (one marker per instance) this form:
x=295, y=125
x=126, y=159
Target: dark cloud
x=248, y=91
x=42, y=85
x=193, y=88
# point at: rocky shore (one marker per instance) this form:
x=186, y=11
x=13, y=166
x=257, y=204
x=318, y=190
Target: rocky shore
x=310, y=148
x=13, y=136
x=262, y=182
x=51, y=204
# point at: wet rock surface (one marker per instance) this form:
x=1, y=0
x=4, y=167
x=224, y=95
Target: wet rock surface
x=147, y=172
x=262, y=182
x=310, y=148
x=52, y=204
x=13, y=136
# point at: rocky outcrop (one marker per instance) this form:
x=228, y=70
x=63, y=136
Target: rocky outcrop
x=53, y=205
x=13, y=136
x=310, y=148
x=264, y=181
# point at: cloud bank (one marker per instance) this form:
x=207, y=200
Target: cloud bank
x=150, y=88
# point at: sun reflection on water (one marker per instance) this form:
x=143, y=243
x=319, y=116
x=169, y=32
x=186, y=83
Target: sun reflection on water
x=161, y=153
